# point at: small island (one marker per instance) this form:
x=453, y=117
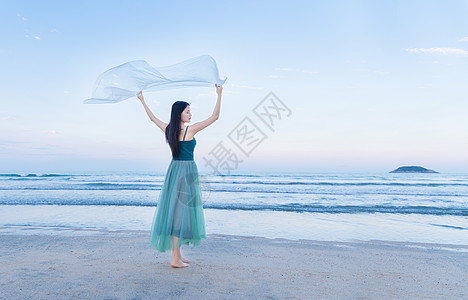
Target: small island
x=412, y=169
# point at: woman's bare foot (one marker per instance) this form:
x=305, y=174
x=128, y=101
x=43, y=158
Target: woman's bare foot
x=178, y=264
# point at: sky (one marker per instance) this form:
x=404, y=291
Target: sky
x=369, y=85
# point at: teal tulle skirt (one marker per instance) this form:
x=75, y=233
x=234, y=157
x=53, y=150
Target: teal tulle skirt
x=180, y=208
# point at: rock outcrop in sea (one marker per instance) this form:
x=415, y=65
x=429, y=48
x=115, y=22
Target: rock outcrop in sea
x=412, y=169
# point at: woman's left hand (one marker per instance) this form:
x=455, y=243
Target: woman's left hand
x=219, y=89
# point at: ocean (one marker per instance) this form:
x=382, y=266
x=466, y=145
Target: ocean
x=403, y=207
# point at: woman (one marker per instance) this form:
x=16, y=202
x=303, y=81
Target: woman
x=179, y=217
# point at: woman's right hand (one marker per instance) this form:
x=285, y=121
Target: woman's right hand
x=140, y=96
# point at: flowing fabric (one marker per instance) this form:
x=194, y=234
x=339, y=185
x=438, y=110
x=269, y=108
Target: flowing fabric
x=127, y=80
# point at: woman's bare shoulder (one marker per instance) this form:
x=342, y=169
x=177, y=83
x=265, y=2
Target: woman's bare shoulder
x=190, y=133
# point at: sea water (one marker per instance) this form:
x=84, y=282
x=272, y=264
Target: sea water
x=412, y=207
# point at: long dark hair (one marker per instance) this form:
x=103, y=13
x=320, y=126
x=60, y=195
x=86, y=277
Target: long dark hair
x=173, y=128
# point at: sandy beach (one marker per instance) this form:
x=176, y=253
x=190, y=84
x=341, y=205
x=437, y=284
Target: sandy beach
x=80, y=264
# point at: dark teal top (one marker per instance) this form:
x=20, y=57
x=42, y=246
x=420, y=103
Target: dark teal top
x=186, y=148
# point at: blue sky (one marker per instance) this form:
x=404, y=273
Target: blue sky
x=371, y=85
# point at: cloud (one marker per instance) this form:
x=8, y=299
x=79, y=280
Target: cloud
x=287, y=69
x=229, y=92
x=206, y=94
x=272, y=76
x=29, y=33
x=297, y=70
x=310, y=72
x=34, y=37
x=10, y=142
x=213, y=94
x=356, y=61
x=50, y=132
x=21, y=17
x=7, y=118
x=42, y=148
x=382, y=73
x=247, y=87
x=443, y=51
x=464, y=39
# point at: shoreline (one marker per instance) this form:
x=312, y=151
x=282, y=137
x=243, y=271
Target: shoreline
x=75, y=231
x=120, y=264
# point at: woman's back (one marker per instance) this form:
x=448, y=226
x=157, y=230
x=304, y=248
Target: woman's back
x=186, y=148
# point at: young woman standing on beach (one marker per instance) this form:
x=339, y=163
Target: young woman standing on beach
x=179, y=217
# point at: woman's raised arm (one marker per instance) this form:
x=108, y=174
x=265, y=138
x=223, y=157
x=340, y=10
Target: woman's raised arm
x=158, y=122
x=205, y=123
